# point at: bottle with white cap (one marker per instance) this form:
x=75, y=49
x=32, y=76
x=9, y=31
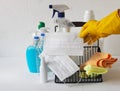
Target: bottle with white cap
x=88, y=15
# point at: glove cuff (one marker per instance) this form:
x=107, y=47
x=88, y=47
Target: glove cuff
x=110, y=24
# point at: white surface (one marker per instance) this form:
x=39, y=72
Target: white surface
x=112, y=43
x=19, y=18
x=14, y=76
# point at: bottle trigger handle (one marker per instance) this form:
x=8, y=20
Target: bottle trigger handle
x=54, y=11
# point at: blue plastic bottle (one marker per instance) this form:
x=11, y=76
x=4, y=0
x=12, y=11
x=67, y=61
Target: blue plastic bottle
x=32, y=56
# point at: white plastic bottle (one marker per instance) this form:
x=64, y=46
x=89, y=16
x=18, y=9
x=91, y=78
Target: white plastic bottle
x=43, y=71
x=88, y=15
x=63, y=24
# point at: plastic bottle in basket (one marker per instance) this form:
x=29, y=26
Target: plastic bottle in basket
x=32, y=56
x=88, y=15
x=63, y=24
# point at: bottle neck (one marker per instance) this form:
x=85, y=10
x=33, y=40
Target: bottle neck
x=42, y=41
x=36, y=42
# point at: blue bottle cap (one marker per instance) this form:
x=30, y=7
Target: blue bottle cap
x=42, y=34
x=61, y=14
x=36, y=37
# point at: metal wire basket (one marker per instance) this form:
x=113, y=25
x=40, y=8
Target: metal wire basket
x=80, y=76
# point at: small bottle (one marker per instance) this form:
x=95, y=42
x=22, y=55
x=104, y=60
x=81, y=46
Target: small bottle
x=32, y=56
x=88, y=15
x=42, y=41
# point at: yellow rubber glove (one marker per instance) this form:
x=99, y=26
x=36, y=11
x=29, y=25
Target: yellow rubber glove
x=93, y=30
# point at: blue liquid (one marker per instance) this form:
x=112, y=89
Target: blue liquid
x=33, y=60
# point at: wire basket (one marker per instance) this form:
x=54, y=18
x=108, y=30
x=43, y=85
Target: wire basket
x=80, y=76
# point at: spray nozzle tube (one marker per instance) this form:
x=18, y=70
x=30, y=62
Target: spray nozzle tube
x=59, y=8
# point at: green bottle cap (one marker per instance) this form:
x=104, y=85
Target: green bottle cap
x=41, y=24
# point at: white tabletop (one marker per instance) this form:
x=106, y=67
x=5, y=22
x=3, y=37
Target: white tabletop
x=14, y=76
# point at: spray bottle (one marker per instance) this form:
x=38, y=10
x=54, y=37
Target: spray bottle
x=63, y=24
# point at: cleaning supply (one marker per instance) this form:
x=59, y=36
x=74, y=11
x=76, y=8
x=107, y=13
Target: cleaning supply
x=91, y=70
x=62, y=66
x=106, y=63
x=43, y=67
x=43, y=70
x=100, y=60
x=41, y=29
x=42, y=41
x=93, y=30
x=32, y=56
x=88, y=15
x=63, y=24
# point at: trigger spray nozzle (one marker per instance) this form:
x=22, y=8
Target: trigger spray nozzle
x=59, y=8
x=54, y=11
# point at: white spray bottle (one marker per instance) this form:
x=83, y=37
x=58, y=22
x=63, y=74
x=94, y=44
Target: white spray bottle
x=63, y=24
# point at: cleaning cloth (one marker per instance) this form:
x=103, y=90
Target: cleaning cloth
x=100, y=60
x=62, y=66
x=95, y=70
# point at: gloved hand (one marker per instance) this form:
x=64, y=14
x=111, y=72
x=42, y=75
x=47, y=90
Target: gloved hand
x=93, y=30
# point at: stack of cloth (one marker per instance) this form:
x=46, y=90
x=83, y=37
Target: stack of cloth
x=98, y=63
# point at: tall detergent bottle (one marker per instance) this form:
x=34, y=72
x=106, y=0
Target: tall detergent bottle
x=63, y=24
x=32, y=56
